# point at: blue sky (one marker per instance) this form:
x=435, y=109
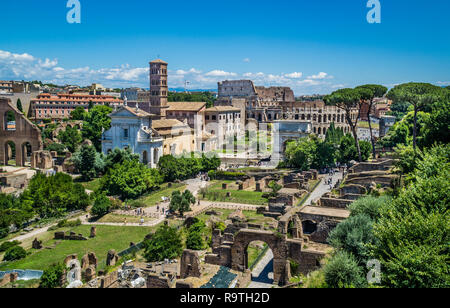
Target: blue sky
x=313, y=46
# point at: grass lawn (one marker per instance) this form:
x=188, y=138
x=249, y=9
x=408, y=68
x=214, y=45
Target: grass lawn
x=253, y=252
x=92, y=185
x=117, y=218
x=154, y=198
x=215, y=193
x=108, y=237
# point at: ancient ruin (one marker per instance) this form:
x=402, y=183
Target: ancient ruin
x=18, y=133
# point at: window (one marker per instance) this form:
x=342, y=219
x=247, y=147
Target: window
x=125, y=133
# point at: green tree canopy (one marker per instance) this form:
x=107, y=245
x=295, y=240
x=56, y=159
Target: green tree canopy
x=71, y=138
x=181, y=202
x=166, y=243
x=96, y=121
x=420, y=95
x=53, y=196
x=349, y=100
x=79, y=114
x=101, y=206
x=88, y=162
x=130, y=180
x=196, y=236
x=413, y=231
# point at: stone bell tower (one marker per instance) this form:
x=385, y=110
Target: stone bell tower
x=159, y=89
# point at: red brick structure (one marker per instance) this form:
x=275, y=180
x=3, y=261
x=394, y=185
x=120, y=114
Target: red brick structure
x=22, y=134
x=58, y=107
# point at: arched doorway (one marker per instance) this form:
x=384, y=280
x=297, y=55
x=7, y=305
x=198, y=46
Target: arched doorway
x=10, y=153
x=27, y=151
x=309, y=227
x=259, y=258
x=145, y=158
x=276, y=243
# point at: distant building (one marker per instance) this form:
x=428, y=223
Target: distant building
x=224, y=122
x=130, y=93
x=178, y=137
x=266, y=105
x=6, y=86
x=132, y=128
x=285, y=131
x=59, y=106
x=159, y=89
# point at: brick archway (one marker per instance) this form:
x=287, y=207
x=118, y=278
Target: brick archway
x=25, y=132
x=275, y=242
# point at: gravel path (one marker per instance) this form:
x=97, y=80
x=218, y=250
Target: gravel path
x=322, y=188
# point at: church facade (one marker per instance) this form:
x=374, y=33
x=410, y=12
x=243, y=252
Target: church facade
x=131, y=128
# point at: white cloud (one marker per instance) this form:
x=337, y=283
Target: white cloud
x=8, y=56
x=219, y=73
x=247, y=60
x=321, y=75
x=294, y=75
x=47, y=63
x=25, y=66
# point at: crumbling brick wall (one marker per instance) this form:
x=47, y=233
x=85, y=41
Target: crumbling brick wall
x=25, y=132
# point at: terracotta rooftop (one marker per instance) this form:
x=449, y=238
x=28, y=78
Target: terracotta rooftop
x=159, y=61
x=222, y=109
x=185, y=106
x=157, y=124
x=138, y=112
x=170, y=127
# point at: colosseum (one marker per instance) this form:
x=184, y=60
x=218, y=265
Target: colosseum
x=266, y=105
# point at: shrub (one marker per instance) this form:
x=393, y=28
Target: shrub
x=342, y=271
x=51, y=277
x=130, y=180
x=3, y=232
x=196, y=239
x=6, y=245
x=14, y=253
x=353, y=236
x=369, y=206
x=71, y=224
x=57, y=147
x=166, y=243
x=228, y=176
x=102, y=205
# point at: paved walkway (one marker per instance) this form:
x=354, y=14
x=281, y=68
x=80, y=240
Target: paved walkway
x=151, y=223
x=322, y=188
x=262, y=274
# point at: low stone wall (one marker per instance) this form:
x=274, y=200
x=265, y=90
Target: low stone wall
x=18, y=181
x=385, y=165
x=109, y=281
x=352, y=197
x=311, y=261
x=243, y=185
x=384, y=181
x=70, y=237
x=158, y=282
x=323, y=226
x=353, y=189
x=335, y=203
